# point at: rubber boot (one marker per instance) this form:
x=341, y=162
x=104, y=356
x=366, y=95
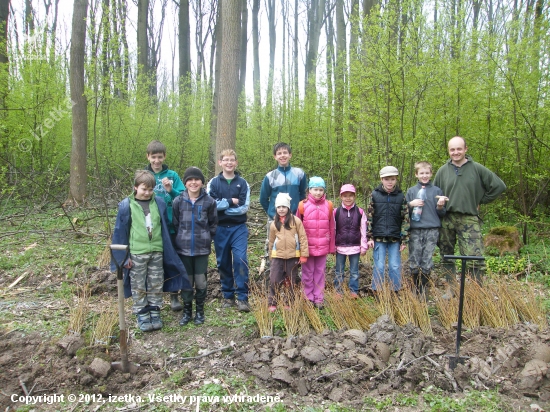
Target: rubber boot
x=450, y=277
x=200, y=297
x=424, y=279
x=155, y=318
x=477, y=274
x=416, y=280
x=175, y=303
x=144, y=320
x=187, y=313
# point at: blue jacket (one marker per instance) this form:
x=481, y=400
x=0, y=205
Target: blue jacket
x=230, y=214
x=291, y=180
x=175, y=275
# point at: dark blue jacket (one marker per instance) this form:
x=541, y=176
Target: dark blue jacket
x=230, y=214
x=175, y=275
x=388, y=211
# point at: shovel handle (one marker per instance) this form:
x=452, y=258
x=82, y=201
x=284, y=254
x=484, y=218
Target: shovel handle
x=118, y=247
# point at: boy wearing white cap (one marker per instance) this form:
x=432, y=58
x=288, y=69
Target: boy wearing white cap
x=388, y=226
x=351, y=239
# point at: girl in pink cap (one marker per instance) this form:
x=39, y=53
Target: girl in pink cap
x=351, y=239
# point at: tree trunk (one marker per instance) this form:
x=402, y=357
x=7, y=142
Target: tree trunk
x=217, y=58
x=142, y=43
x=184, y=54
x=244, y=41
x=78, y=175
x=229, y=81
x=256, y=53
x=340, y=71
x=315, y=22
x=272, y=42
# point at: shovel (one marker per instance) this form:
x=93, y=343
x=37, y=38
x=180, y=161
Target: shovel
x=124, y=365
x=456, y=359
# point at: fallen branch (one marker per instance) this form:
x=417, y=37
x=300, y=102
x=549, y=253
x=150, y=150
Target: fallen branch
x=22, y=384
x=205, y=354
x=334, y=373
x=447, y=374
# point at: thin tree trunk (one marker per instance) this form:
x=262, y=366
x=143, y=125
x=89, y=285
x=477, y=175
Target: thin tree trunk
x=256, y=54
x=78, y=174
x=229, y=81
x=217, y=53
x=142, y=43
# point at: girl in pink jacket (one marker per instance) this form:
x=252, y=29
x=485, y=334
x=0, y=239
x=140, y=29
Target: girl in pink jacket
x=317, y=216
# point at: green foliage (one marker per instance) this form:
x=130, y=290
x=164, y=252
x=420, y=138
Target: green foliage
x=487, y=401
x=506, y=265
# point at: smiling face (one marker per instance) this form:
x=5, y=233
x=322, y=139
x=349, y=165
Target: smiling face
x=282, y=211
x=388, y=183
x=457, y=150
x=156, y=160
x=348, y=198
x=228, y=164
x=283, y=156
x=143, y=192
x=424, y=174
x=193, y=186
x=317, y=192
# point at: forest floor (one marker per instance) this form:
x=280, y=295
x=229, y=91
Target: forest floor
x=225, y=364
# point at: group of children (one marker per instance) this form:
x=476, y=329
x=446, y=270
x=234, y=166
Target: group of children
x=305, y=233
x=169, y=224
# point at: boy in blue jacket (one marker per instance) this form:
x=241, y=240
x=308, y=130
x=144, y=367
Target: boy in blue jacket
x=153, y=265
x=232, y=195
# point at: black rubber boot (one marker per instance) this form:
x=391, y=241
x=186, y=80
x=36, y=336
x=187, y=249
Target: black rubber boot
x=200, y=297
x=187, y=313
x=175, y=303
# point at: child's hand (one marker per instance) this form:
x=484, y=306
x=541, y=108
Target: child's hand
x=235, y=201
x=441, y=201
x=303, y=260
x=416, y=202
x=402, y=247
x=363, y=253
x=370, y=244
x=167, y=183
x=129, y=264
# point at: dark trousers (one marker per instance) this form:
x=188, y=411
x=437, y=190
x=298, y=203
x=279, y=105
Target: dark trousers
x=281, y=269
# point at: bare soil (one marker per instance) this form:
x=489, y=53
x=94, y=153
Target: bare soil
x=318, y=369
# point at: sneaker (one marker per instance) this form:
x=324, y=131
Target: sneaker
x=228, y=303
x=243, y=306
x=353, y=295
x=272, y=309
x=144, y=322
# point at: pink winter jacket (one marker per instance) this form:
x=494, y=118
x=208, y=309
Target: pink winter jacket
x=320, y=227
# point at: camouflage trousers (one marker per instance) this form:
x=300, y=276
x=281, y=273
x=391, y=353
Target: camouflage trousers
x=146, y=280
x=422, y=244
x=466, y=229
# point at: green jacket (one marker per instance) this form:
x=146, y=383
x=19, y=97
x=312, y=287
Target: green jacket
x=468, y=186
x=177, y=188
x=140, y=243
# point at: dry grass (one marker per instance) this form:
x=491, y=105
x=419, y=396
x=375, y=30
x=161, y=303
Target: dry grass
x=447, y=309
x=527, y=305
x=105, y=258
x=385, y=297
x=259, y=308
x=78, y=313
x=403, y=305
x=313, y=316
x=295, y=320
x=103, y=330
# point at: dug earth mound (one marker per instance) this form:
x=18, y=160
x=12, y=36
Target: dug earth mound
x=336, y=367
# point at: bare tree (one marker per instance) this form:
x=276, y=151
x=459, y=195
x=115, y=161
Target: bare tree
x=315, y=22
x=229, y=81
x=216, y=52
x=244, y=41
x=270, y=6
x=78, y=175
x=184, y=52
x=256, y=54
x=142, y=43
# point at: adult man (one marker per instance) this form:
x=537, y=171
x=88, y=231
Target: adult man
x=232, y=195
x=467, y=184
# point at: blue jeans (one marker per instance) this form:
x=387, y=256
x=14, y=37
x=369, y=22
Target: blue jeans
x=394, y=263
x=231, y=245
x=353, y=272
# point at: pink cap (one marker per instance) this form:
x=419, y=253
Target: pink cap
x=347, y=188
